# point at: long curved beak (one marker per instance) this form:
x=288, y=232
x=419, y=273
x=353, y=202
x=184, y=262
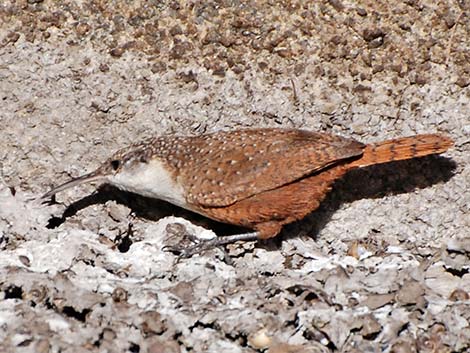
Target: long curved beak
x=93, y=176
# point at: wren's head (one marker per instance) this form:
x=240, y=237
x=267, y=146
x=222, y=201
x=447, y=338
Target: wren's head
x=136, y=170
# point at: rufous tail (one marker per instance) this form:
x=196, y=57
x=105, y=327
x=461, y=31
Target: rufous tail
x=402, y=148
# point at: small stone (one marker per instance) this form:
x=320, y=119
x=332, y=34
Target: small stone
x=372, y=34
x=410, y=293
x=42, y=346
x=82, y=28
x=370, y=326
x=157, y=67
x=176, y=30
x=462, y=81
x=188, y=77
x=11, y=37
x=119, y=295
x=118, y=213
x=109, y=334
x=184, y=291
x=103, y=67
x=459, y=295
x=375, y=301
x=25, y=260
x=260, y=339
x=337, y=5
x=180, y=49
x=420, y=79
x=361, y=11
x=152, y=323
x=117, y=52
x=377, y=42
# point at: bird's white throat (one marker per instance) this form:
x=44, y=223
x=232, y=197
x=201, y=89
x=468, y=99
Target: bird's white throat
x=150, y=179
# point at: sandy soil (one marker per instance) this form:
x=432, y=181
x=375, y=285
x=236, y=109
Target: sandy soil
x=382, y=266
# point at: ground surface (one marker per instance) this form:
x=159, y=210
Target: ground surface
x=383, y=265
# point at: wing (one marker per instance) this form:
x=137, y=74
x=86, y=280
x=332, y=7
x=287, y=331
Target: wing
x=231, y=166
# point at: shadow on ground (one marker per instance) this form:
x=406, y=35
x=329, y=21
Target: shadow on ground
x=374, y=182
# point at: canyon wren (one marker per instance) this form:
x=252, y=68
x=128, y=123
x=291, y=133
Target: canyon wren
x=259, y=179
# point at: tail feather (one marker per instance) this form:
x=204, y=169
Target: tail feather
x=402, y=148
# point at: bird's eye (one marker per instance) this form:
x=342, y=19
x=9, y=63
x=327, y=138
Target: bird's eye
x=115, y=164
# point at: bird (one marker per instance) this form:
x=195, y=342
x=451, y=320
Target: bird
x=259, y=178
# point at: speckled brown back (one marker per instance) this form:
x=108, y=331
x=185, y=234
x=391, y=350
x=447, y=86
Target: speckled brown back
x=225, y=167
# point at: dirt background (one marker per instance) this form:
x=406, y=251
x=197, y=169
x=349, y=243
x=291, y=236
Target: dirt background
x=382, y=266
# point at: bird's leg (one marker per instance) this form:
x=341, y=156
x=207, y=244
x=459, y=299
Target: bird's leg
x=203, y=245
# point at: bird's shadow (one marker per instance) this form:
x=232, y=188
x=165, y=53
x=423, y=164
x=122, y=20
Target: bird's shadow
x=371, y=182
x=374, y=182
x=141, y=207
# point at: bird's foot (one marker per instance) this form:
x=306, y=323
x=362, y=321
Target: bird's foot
x=185, y=250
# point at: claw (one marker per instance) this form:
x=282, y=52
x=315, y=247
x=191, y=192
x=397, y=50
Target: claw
x=188, y=251
x=184, y=251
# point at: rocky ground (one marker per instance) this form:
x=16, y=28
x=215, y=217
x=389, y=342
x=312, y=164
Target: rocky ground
x=382, y=266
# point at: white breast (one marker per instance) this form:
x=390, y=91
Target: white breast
x=152, y=180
